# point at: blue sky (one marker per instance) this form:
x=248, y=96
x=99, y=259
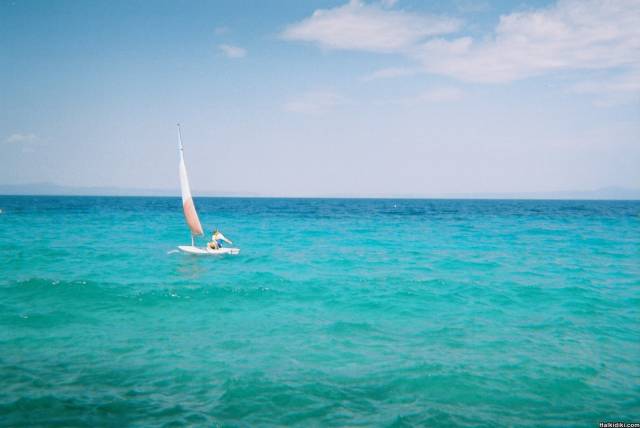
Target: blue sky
x=322, y=98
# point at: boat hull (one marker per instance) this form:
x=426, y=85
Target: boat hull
x=190, y=249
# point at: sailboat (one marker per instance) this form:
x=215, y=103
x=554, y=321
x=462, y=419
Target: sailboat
x=191, y=215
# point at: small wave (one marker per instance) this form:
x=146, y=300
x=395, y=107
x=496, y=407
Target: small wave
x=349, y=327
x=172, y=251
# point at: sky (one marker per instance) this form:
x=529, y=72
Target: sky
x=292, y=98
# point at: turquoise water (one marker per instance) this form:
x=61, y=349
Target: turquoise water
x=336, y=312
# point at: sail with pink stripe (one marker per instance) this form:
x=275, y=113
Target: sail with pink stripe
x=190, y=214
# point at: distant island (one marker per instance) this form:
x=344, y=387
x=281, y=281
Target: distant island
x=52, y=189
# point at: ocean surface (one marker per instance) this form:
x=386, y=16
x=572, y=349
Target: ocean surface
x=335, y=313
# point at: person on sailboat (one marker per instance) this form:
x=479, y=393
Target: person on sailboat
x=216, y=240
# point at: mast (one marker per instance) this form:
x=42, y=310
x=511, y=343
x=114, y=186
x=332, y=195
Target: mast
x=180, y=148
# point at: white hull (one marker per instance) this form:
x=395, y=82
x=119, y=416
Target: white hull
x=190, y=249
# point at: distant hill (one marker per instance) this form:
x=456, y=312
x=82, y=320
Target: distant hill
x=56, y=189
x=607, y=193
x=59, y=190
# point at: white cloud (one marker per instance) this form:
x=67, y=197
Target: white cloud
x=221, y=30
x=19, y=138
x=314, y=102
x=375, y=28
x=570, y=35
x=233, y=51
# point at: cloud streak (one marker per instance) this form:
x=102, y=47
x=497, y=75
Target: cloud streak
x=619, y=89
x=441, y=94
x=232, y=51
x=390, y=73
x=314, y=103
x=19, y=138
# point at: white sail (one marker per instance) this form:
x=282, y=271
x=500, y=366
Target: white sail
x=190, y=214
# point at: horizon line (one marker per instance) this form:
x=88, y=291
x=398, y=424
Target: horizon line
x=496, y=197
x=416, y=198
x=52, y=189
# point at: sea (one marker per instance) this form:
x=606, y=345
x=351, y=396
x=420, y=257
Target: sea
x=336, y=312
